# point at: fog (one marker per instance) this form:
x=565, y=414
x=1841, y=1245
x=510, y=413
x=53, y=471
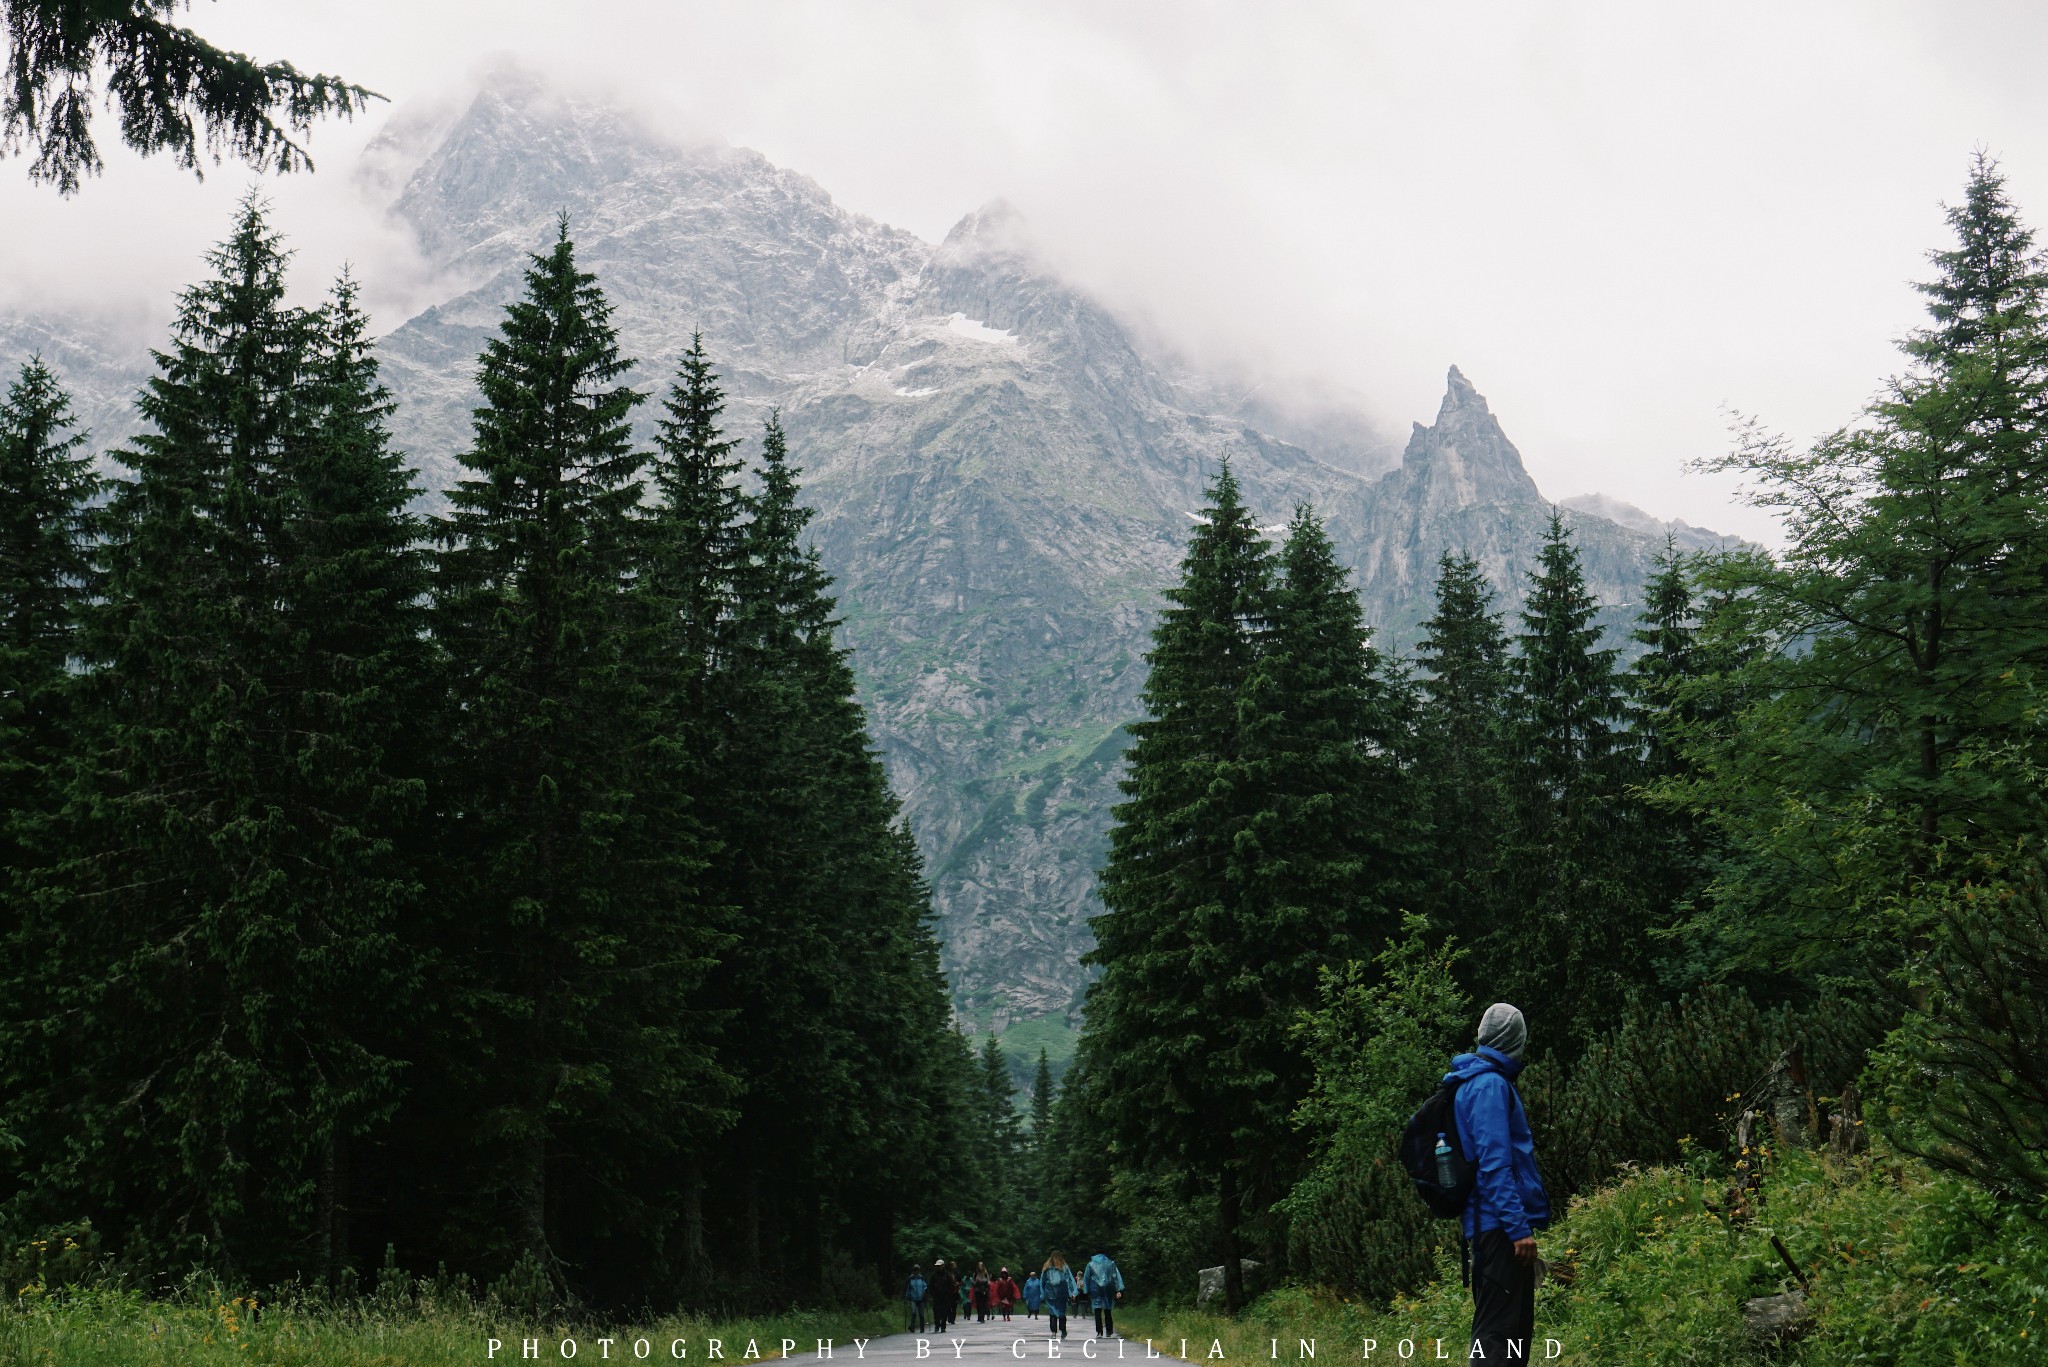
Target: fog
x=1624, y=222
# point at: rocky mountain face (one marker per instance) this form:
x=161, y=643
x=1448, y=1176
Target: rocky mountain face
x=1682, y=534
x=1461, y=487
x=1003, y=475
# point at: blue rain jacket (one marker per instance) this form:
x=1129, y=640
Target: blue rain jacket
x=1101, y=1282
x=1034, y=1292
x=1057, y=1285
x=1508, y=1193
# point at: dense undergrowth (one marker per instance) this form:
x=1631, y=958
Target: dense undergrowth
x=1905, y=1266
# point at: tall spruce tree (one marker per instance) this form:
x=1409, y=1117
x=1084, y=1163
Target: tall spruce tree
x=47, y=528
x=1668, y=700
x=690, y=587
x=1000, y=1145
x=1461, y=746
x=220, y=948
x=1322, y=862
x=360, y=677
x=162, y=945
x=1041, y=1102
x=696, y=563
x=1892, y=724
x=1668, y=632
x=1574, y=937
x=572, y=923
x=1164, y=1016
x=1043, y=1169
x=47, y=572
x=828, y=891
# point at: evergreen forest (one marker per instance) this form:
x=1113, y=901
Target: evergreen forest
x=516, y=891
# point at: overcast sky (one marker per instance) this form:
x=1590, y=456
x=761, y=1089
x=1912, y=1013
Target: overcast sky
x=1621, y=220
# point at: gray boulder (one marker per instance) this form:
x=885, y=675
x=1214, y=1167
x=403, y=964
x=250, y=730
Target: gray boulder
x=1211, y=1285
x=1775, y=1319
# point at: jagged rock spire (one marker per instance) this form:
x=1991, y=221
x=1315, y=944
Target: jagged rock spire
x=1464, y=458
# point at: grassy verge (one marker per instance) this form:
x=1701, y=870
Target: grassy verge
x=1904, y=1266
x=206, y=1327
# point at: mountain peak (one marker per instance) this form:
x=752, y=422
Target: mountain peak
x=1464, y=457
x=997, y=228
x=1459, y=393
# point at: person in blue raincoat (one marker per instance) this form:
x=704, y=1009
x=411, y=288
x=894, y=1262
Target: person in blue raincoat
x=1103, y=1284
x=914, y=1292
x=1508, y=1204
x=1034, y=1293
x=1056, y=1283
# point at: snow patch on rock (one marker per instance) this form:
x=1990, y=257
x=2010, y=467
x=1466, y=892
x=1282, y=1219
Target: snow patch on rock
x=960, y=325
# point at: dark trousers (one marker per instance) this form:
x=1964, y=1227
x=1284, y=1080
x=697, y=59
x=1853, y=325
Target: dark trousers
x=1105, y=1320
x=1056, y=1319
x=916, y=1317
x=1503, y=1300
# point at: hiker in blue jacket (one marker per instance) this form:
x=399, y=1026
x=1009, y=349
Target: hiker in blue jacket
x=914, y=1292
x=1508, y=1204
x=1056, y=1282
x=1103, y=1284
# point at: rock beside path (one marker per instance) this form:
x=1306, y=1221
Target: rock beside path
x=1774, y=1319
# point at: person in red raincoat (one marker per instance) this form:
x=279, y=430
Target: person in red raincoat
x=1006, y=1291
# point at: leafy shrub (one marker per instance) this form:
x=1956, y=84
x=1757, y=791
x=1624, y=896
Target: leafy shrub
x=1168, y=1232
x=1381, y=1038
x=1967, y=1077
x=1665, y=1077
x=49, y=1261
x=1906, y=1265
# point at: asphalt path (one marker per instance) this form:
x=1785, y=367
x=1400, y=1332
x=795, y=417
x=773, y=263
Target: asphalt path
x=1021, y=1340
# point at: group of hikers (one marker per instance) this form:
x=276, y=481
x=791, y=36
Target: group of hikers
x=945, y=1294
x=1472, y=1158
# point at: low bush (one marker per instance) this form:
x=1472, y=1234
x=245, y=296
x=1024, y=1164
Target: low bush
x=1905, y=1265
x=1666, y=1076
x=1670, y=1072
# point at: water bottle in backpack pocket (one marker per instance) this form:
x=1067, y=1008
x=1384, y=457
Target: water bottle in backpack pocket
x=1435, y=1157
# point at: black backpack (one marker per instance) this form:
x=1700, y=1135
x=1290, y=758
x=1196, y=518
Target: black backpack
x=1438, y=1115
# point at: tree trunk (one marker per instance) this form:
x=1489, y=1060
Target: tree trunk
x=323, y=1213
x=750, y=1231
x=533, y=1198
x=696, y=1259
x=813, y=1261
x=884, y=1244
x=1233, y=1262
x=330, y=1235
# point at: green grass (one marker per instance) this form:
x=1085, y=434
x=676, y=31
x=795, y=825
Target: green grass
x=205, y=1326
x=1906, y=1267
